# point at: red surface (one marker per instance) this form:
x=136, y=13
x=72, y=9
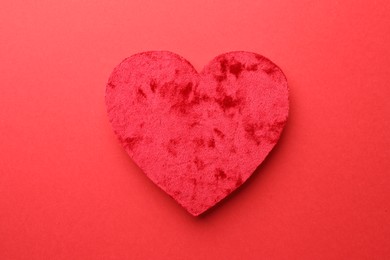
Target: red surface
x=68, y=190
x=198, y=136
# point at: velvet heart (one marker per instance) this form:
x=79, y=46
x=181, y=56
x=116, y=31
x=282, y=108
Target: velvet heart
x=198, y=136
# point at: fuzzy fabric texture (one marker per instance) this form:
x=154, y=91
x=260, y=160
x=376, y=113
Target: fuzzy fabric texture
x=198, y=136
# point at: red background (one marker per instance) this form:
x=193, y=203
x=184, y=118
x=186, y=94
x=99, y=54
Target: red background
x=69, y=191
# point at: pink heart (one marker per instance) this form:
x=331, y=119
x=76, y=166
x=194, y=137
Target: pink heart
x=198, y=136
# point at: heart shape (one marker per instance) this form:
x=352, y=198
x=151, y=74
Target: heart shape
x=198, y=136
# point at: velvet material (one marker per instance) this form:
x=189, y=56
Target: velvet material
x=198, y=136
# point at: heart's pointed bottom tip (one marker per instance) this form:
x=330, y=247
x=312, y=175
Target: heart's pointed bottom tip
x=196, y=213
